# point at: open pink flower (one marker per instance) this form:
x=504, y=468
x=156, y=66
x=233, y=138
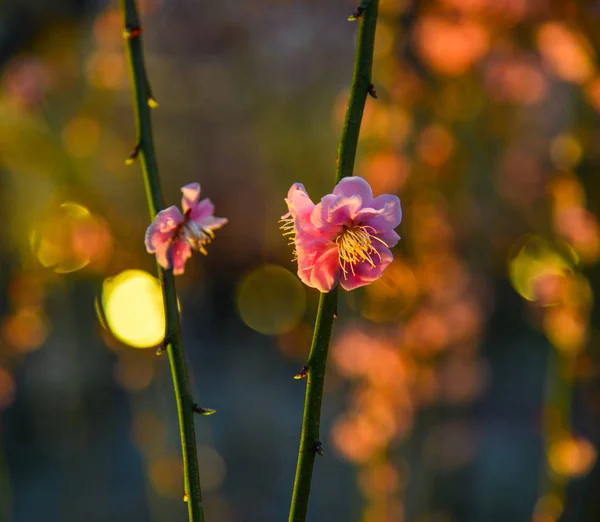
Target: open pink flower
x=172, y=235
x=346, y=238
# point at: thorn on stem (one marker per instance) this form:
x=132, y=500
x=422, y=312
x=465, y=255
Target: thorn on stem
x=132, y=32
x=372, y=91
x=203, y=411
x=359, y=11
x=133, y=156
x=335, y=314
x=302, y=373
x=185, y=497
x=319, y=448
x=161, y=349
x=153, y=104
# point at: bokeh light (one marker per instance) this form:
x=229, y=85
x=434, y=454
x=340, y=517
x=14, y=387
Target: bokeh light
x=571, y=456
x=133, y=307
x=70, y=238
x=271, y=300
x=536, y=259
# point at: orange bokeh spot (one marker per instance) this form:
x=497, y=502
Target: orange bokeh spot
x=386, y=172
x=356, y=438
x=7, y=389
x=516, y=79
x=380, y=478
x=107, y=70
x=566, y=329
x=580, y=228
x=108, y=30
x=166, y=476
x=435, y=145
x=566, y=51
x=450, y=46
x=567, y=192
x=571, y=457
x=26, y=330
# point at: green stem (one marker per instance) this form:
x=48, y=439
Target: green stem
x=145, y=150
x=317, y=361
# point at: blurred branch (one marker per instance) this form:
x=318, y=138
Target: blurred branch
x=310, y=444
x=144, y=150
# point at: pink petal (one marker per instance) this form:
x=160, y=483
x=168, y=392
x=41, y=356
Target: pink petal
x=390, y=238
x=191, y=194
x=161, y=230
x=326, y=271
x=298, y=200
x=213, y=223
x=383, y=214
x=364, y=273
x=334, y=211
x=180, y=252
x=306, y=262
x=201, y=211
x=354, y=186
x=162, y=255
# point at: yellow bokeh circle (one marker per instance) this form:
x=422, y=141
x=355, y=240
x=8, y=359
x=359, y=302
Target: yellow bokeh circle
x=271, y=300
x=133, y=308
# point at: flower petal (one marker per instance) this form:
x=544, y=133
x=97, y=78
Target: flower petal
x=163, y=227
x=201, y=211
x=326, y=271
x=179, y=252
x=213, y=223
x=390, y=238
x=354, y=186
x=191, y=194
x=334, y=211
x=298, y=200
x=387, y=215
x=364, y=273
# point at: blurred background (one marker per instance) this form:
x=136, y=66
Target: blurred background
x=463, y=386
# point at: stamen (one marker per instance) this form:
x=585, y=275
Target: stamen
x=197, y=237
x=355, y=246
x=289, y=229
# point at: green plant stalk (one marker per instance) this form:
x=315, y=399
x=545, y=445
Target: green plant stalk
x=317, y=361
x=145, y=152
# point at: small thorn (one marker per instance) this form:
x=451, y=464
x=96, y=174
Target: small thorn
x=319, y=448
x=372, y=91
x=203, y=411
x=160, y=350
x=359, y=11
x=335, y=314
x=133, y=156
x=132, y=32
x=302, y=373
x=153, y=104
x=185, y=497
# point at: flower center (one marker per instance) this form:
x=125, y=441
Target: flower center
x=197, y=237
x=355, y=245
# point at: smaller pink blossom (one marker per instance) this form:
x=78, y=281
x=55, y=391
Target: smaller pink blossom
x=346, y=238
x=172, y=235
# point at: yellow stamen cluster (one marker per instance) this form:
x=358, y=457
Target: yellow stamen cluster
x=289, y=230
x=197, y=237
x=355, y=245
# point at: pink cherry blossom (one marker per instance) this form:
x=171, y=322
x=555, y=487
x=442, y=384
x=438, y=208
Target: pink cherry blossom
x=172, y=235
x=346, y=238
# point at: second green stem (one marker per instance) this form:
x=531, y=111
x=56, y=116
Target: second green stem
x=310, y=444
